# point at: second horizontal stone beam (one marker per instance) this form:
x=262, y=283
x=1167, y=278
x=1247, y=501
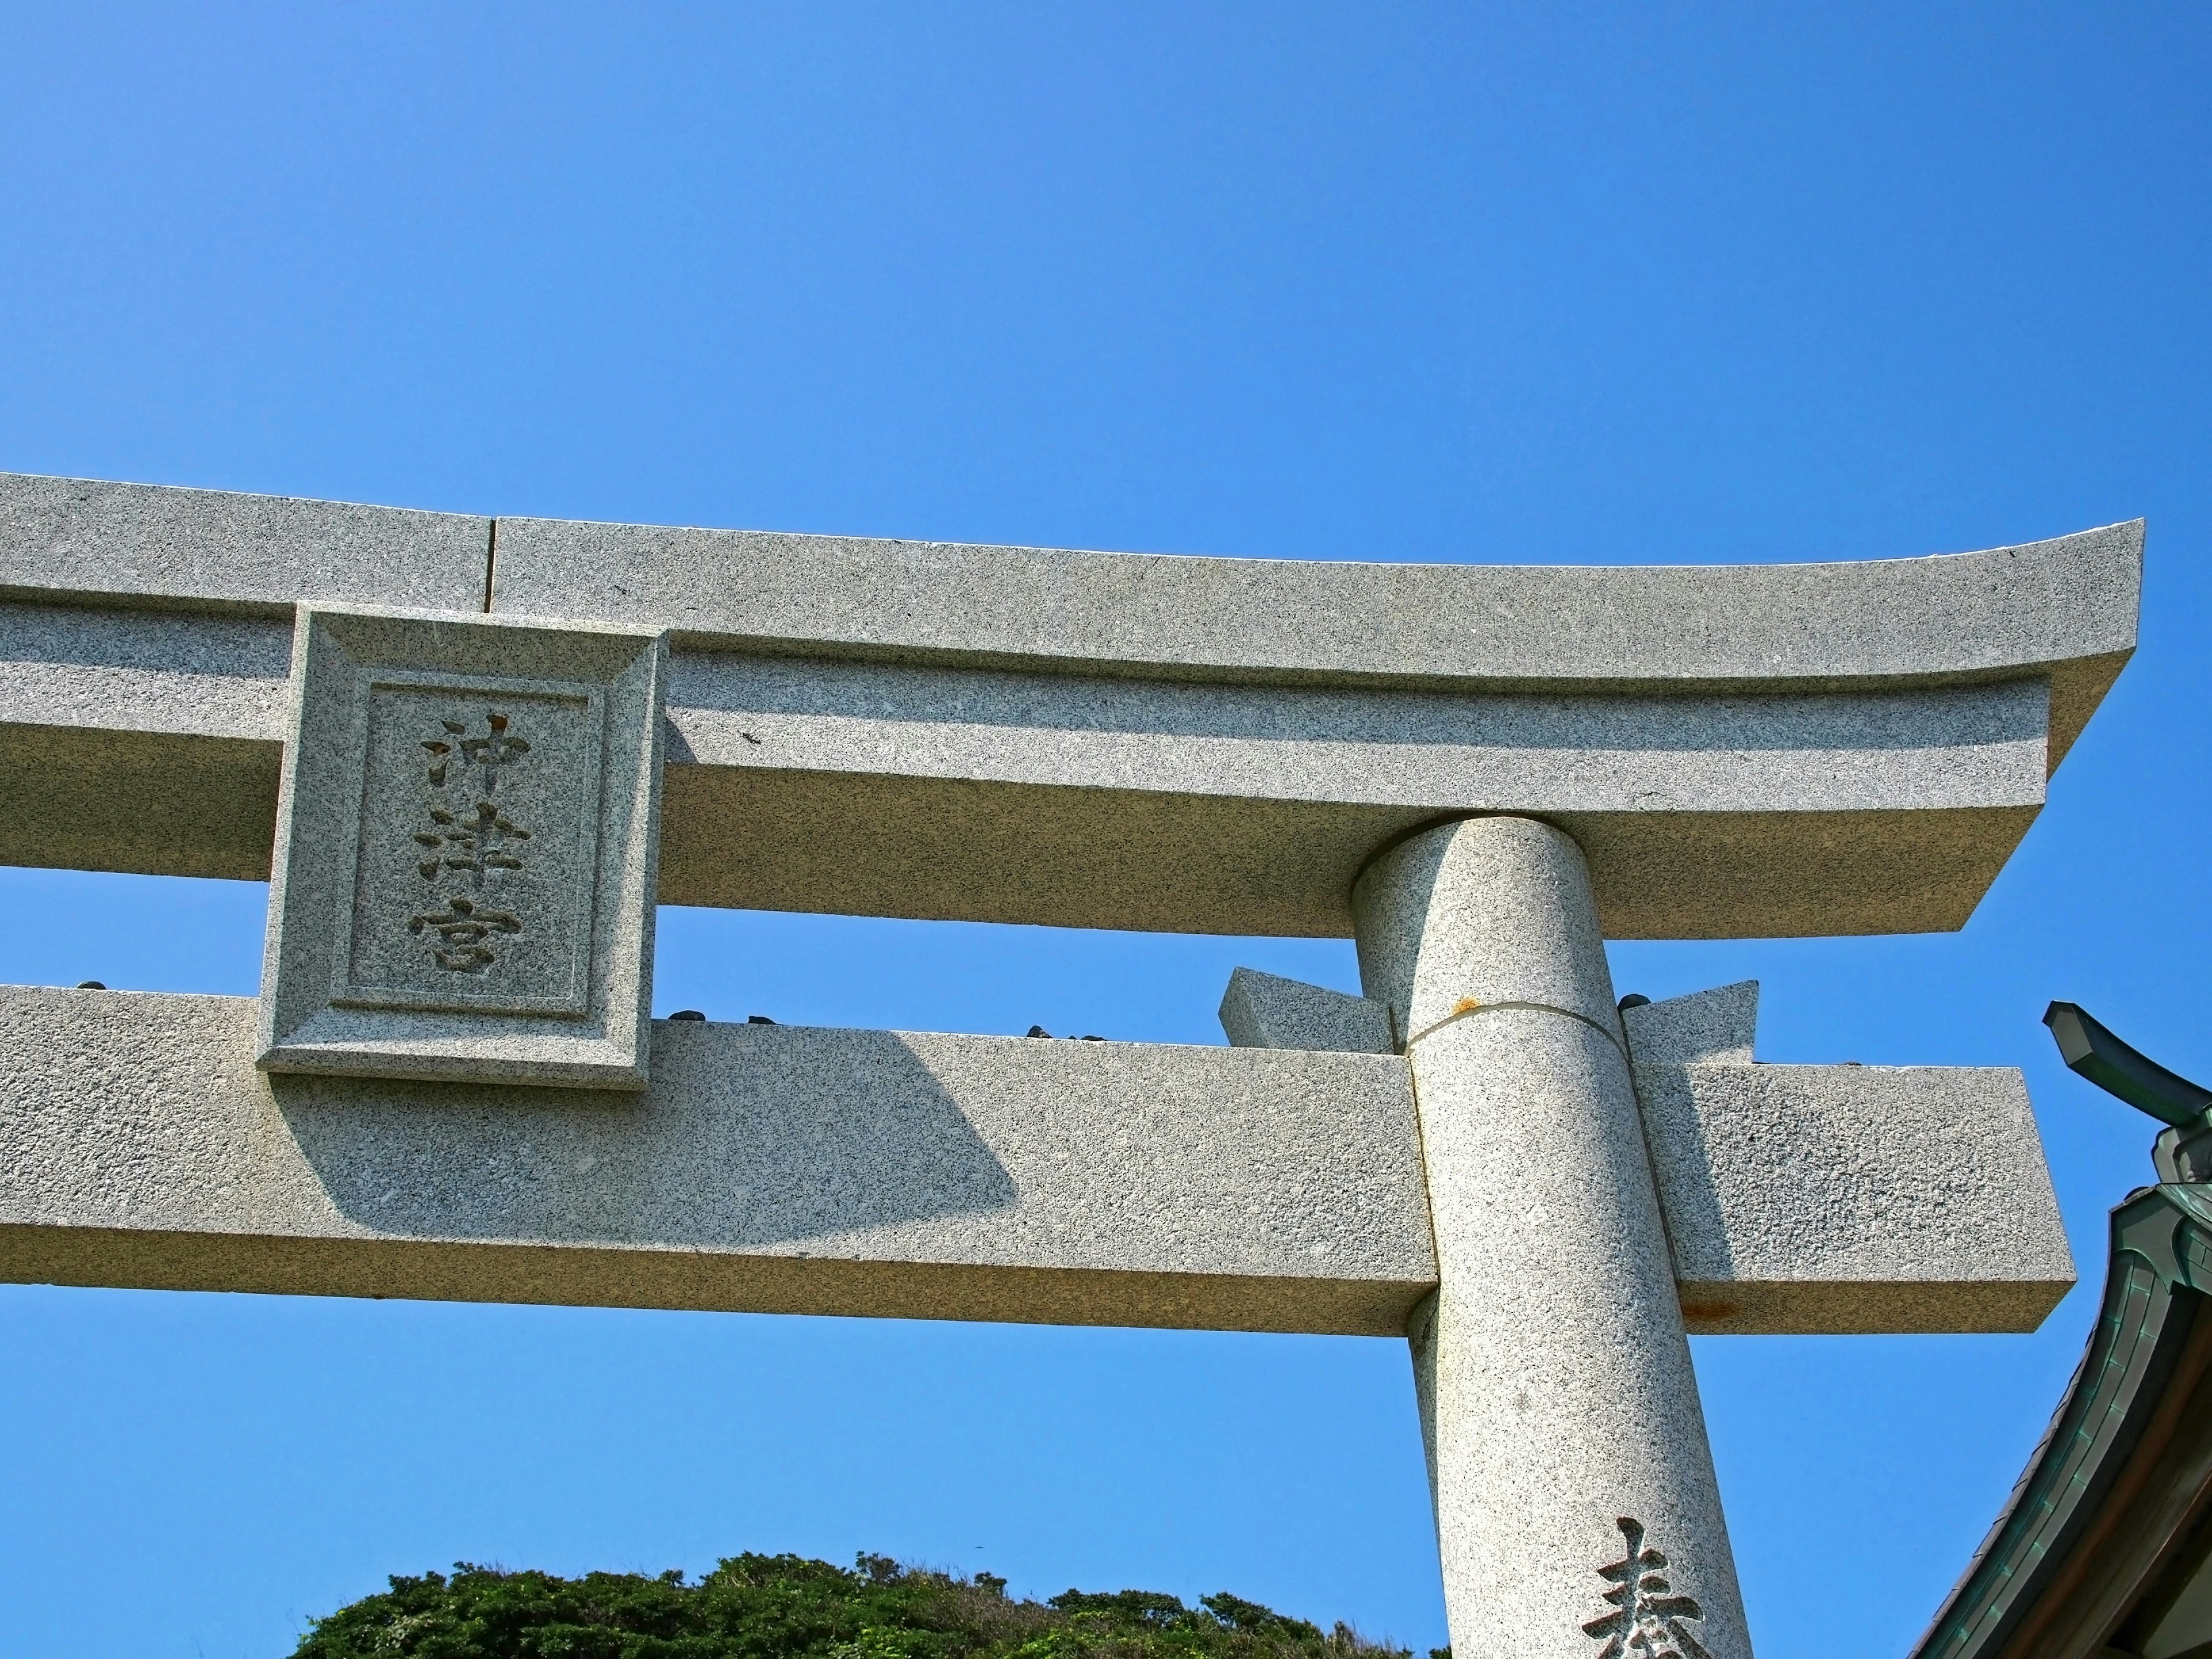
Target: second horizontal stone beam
x=788, y=1169
x=768, y=1169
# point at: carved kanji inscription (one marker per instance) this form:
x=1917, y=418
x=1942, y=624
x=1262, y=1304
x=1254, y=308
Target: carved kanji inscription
x=476, y=847
x=467, y=851
x=459, y=932
x=1647, y=1620
x=478, y=842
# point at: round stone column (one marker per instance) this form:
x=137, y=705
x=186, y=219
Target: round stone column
x=1576, y=1504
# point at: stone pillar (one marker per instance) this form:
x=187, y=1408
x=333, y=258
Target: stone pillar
x=1575, y=1497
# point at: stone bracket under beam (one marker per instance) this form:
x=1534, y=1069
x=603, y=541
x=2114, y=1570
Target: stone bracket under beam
x=1265, y=1010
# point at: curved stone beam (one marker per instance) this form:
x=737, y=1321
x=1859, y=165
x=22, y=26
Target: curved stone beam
x=1111, y=740
x=2062, y=609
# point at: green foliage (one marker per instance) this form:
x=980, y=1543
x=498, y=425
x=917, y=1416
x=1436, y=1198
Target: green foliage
x=785, y=1607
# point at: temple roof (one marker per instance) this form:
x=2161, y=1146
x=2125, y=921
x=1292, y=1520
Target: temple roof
x=2105, y=1546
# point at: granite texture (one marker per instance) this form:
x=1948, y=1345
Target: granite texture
x=2064, y=607
x=1719, y=1026
x=1855, y=1198
x=1905, y=816
x=466, y=851
x=1549, y=950
x=1108, y=740
x=1837, y=1198
x=1265, y=1011
x=1558, y=1401
x=1088, y=801
x=1797, y=1198
x=1890, y=1200
x=180, y=715
x=772, y=1169
x=157, y=547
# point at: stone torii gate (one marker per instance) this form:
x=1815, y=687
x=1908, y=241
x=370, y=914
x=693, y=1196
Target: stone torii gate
x=470, y=755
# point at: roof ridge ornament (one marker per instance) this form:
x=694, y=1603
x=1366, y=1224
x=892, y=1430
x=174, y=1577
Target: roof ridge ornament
x=2182, y=1152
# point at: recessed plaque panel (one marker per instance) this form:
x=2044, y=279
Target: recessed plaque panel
x=476, y=847
x=465, y=852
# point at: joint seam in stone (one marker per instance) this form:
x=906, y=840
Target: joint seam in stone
x=1474, y=1008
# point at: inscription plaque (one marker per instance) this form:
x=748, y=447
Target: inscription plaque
x=475, y=844
x=465, y=851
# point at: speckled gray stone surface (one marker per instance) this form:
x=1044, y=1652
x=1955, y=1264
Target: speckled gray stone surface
x=1123, y=741
x=776, y=1168
x=1180, y=806
x=1821, y=815
x=1553, y=1372
x=2067, y=604
x=1548, y=950
x=1265, y=1011
x=147, y=543
x=180, y=715
x=143, y=657
x=81, y=1064
x=1797, y=1198
x=1841, y=1198
x=466, y=851
x=1719, y=1026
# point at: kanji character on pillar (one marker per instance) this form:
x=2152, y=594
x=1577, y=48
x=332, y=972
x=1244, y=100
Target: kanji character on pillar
x=1647, y=1619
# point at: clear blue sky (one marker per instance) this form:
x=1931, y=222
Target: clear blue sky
x=1493, y=283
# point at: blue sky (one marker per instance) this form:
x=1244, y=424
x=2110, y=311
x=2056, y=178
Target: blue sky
x=1479, y=282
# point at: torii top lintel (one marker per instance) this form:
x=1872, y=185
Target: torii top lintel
x=1100, y=739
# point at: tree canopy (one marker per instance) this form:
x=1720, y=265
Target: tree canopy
x=786, y=1606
